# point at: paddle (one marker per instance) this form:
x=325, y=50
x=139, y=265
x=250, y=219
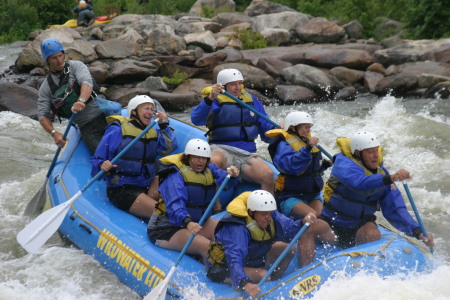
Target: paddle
x=416, y=212
x=242, y=103
x=38, y=231
x=159, y=292
x=285, y=252
x=37, y=203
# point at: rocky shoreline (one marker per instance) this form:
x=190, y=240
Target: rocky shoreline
x=308, y=59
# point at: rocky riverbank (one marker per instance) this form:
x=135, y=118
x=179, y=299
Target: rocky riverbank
x=308, y=58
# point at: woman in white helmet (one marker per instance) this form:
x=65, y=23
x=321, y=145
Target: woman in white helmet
x=187, y=186
x=253, y=234
x=130, y=182
x=234, y=128
x=358, y=186
x=295, y=154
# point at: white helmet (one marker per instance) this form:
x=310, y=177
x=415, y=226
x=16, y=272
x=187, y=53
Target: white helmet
x=364, y=140
x=229, y=75
x=260, y=200
x=138, y=100
x=297, y=117
x=198, y=147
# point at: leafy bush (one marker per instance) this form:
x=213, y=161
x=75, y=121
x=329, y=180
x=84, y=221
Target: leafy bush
x=178, y=77
x=428, y=19
x=249, y=39
x=16, y=21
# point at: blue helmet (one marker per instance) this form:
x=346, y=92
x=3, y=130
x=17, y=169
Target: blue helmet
x=49, y=47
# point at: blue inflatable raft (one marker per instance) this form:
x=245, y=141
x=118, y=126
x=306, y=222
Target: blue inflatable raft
x=119, y=242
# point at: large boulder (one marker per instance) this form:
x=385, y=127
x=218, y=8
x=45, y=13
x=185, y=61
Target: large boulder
x=212, y=6
x=307, y=76
x=320, y=31
x=19, y=99
x=231, y=18
x=409, y=51
x=127, y=70
x=261, y=7
x=126, y=45
x=288, y=20
x=397, y=85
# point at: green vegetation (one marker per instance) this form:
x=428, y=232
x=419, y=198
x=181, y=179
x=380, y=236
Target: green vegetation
x=424, y=19
x=249, y=39
x=178, y=77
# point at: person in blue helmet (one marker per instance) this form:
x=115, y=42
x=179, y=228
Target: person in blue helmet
x=253, y=234
x=233, y=128
x=84, y=12
x=358, y=186
x=187, y=186
x=132, y=182
x=68, y=89
x=295, y=154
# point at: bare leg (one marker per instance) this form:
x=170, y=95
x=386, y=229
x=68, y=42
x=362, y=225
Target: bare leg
x=272, y=256
x=301, y=209
x=143, y=206
x=369, y=232
x=153, y=189
x=319, y=231
x=317, y=205
x=258, y=171
x=199, y=245
x=255, y=274
x=208, y=228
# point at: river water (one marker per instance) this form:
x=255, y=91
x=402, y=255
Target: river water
x=415, y=134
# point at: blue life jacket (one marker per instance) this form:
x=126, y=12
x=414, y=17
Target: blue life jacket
x=138, y=161
x=201, y=187
x=305, y=186
x=233, y=122
x=348, y=202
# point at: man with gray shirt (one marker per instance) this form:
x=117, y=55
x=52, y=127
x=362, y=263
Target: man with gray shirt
x=68, y=89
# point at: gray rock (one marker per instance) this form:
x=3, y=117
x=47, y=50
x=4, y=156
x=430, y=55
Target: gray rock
x=261, y=7
x=19, y=99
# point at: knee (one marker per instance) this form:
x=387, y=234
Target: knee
x=368, y=235
x=267, y=174
x=219, y=159
x=373, y=235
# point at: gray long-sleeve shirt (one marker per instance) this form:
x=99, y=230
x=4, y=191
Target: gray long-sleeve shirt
x=79, y=72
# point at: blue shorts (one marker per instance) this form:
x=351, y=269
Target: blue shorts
x=288, y=204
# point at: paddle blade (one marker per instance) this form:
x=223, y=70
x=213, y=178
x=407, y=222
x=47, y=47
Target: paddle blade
x=159, y=292
x=38, y=231
x=37, y=203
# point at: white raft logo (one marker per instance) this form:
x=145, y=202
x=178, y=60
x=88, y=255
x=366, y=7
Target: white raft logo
x=305, y=286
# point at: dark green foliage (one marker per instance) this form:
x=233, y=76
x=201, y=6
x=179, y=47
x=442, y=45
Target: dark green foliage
x=250, y=39
x=429, y=19
x=52, y=12
x=20, y=17
x=178, y=77
x=16, y=21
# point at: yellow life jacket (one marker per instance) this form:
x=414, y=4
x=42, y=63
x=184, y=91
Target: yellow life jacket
x=207, y=90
